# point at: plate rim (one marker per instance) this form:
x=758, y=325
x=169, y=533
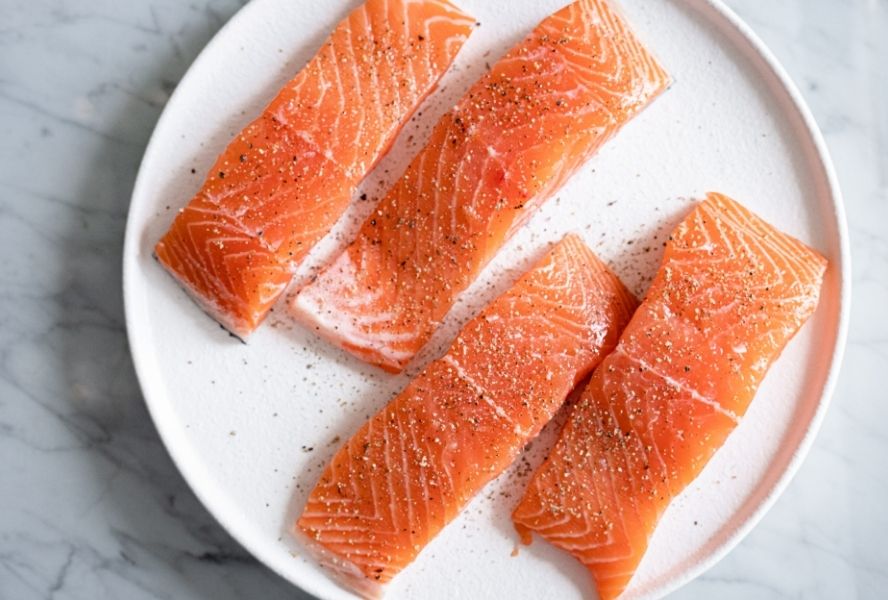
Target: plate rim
x=797, y=103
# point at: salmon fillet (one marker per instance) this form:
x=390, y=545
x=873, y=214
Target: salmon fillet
x=412, y=468
x=512, y=140
x=731, y=292
x=284, y=181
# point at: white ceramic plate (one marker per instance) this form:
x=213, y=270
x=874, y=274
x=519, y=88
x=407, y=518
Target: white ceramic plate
x=250, y=426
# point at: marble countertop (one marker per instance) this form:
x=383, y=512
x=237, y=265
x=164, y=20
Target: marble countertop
x=91, y=505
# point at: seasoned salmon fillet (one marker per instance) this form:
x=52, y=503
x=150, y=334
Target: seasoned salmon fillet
x=506, y=147
x=411, y=469
x=283, y=181
x=731, y=292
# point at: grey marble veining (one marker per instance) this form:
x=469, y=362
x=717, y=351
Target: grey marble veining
x=91, y=505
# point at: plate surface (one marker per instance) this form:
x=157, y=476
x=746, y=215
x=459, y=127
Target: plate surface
x=251, y=425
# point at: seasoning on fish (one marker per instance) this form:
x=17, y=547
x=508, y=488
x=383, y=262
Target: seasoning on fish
x=411, y=469
x=731, y=292
x=505, y=148
x=285, y=179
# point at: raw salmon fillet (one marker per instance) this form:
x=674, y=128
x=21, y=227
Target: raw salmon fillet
x=289, y=175
x=731, y=292
x=412, y=468
x=512, y=140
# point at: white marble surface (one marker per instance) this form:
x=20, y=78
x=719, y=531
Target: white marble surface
x=91, y=506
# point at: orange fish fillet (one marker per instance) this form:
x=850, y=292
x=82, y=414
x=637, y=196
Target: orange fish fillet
x=514, y=138
x=730, y=294
x=284, y=180
x=461, y=422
